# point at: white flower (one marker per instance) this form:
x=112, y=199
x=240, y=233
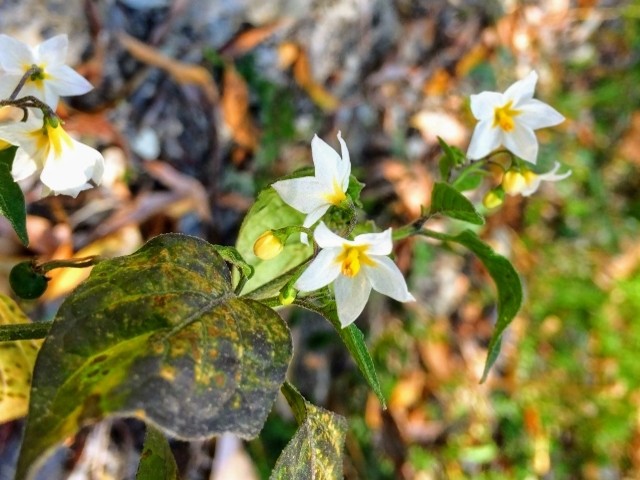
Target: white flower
x=509, y=119
x=56, y=79
x=66, y=166
x=355, y=266
x=533, y=180
x=314, y=195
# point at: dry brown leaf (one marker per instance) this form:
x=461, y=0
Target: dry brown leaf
x=472, y=58
x=235, y=109
x=412, y=185
x=248, y=40
x=185, y=73
x=291, y=54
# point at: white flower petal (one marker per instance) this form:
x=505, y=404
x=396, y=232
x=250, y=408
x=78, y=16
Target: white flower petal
x=485, y=139
x=65, y=81
x=8, y=83
x=522, y=90
x=326, y=161
x=344, y=166
x=52, y=52
x=522, y=142
x=14, y=55
x=70, y=172
x=23, y=166
x=379, y=243
x=386, y=278
x=321, y=272
x=351, y=295
x=305, y=194
x=550, y=176
x=325, y=238
x=536, y=114
x=312, y=218
x=484, y=104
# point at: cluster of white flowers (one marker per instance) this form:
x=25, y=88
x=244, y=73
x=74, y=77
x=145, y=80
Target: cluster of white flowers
x=509, y=119
x=357, y=266
x=65, y=165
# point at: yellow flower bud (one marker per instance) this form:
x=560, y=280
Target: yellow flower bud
x=267, y=246
x=287, y=298
x=513, y=182
x=529, y=177
x=492, y=199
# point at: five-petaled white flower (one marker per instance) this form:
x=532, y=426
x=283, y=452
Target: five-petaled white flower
x=314, y=195
x=55, y=78
x=355, y=266
x=527, y=182
x=509, y=119
x=66, y=166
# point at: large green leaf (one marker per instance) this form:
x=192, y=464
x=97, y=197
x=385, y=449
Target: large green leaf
x=159, y=335
x=315, y=451
x=508, y=285
x=12, y=203
x=157, y=461
x=270, y=213
x=450, y=202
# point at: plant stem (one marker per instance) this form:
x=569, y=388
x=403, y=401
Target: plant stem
x=24, y=331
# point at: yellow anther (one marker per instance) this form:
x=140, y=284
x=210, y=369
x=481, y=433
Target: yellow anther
x=503, y=116
x=352, y=258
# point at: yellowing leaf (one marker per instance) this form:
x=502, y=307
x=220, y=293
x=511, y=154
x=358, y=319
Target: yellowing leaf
x=16, y=365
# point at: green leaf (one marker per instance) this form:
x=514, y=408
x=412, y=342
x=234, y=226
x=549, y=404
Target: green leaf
x=12, y=203
x=452, y=157
x=17, y=360
x=270, y=213
x=315, y=451
x=353, y=339
x=157, y=461
x=448, y=201
x=508, y=285
x=161, y=336
x=469, y=178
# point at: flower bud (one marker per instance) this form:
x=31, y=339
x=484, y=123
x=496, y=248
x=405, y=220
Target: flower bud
x=529, y=177
x=267, y=246
x=513, y=182
x=493, y=199
x=287, y=296
x=26, y=281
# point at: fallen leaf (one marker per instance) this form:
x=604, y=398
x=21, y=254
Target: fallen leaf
x=235, y=109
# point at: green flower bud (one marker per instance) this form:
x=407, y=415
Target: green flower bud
x=26, y=281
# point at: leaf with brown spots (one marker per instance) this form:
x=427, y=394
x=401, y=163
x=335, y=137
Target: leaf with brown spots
x=159, y=335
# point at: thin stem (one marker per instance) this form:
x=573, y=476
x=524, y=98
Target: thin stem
x=70, y=263
x=24, y=331
x=33, y=70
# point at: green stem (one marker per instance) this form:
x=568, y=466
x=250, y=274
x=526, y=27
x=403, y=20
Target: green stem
x=24, y=331
x=70, y=263
x=34, y=70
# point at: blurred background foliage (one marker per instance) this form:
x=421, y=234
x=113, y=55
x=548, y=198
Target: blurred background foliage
x=199, y=105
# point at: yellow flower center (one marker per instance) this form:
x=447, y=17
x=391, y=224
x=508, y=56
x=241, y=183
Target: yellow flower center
x=52, y=137
x=503, y=116
x=337, y=197
x=352, y=258
x=37, y=77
